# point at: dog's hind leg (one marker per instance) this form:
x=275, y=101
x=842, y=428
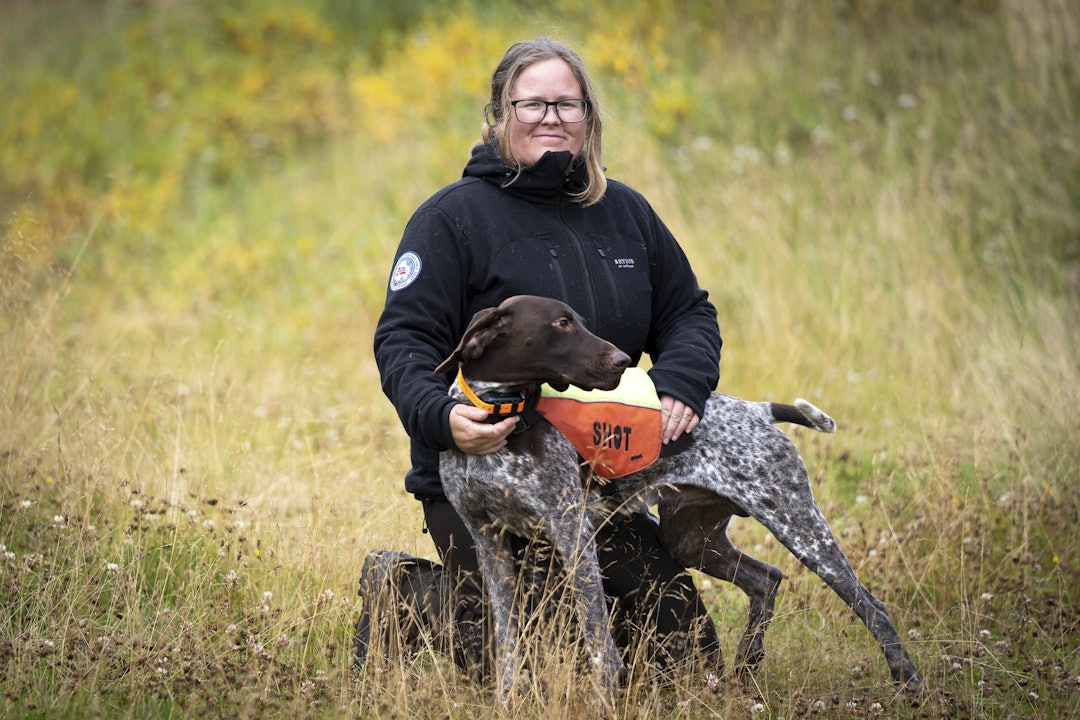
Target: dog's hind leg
x=693, y=528
x=807, y=535
x=759, y=580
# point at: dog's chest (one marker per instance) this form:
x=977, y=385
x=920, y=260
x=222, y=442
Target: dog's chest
x=532, y=478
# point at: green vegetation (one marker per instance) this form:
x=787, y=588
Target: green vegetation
x=199, y=204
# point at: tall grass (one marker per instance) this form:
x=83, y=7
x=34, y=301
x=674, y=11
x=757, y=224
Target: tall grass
x=200, y=203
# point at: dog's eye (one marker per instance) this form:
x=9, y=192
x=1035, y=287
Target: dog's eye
x=563, y=323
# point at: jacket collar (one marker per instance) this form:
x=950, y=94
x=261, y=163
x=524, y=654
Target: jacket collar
x=554, y=174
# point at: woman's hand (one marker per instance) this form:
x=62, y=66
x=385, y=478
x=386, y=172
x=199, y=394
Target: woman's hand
x=473, y=435
x=678, y=418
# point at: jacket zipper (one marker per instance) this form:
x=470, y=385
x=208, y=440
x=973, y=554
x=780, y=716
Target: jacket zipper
x=553, y=250
x=575, y=240
x=610, y=275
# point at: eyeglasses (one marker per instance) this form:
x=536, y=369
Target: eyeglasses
x=532, y=112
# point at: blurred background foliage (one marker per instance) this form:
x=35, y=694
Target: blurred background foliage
x=137, y=113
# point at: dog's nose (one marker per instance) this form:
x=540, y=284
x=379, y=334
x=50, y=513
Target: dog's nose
x=620, y=359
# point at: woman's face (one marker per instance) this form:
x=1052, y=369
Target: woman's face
x=549, y=80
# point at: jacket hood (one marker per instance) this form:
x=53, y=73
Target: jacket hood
x=555, y=173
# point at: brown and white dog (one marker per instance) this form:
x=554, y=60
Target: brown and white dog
x=738, y=464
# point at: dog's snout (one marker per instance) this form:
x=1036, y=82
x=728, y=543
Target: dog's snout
x=619, y=359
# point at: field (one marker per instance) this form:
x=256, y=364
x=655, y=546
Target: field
x=200, y=205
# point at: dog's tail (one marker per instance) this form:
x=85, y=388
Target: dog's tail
x=803, y=413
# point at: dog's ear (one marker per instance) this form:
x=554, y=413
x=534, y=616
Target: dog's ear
x=486, y=325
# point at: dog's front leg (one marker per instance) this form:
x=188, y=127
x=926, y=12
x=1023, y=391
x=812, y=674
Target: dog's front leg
x=497, y=567
x=577, y=548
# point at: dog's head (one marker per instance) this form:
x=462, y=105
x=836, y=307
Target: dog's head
x=529, y=340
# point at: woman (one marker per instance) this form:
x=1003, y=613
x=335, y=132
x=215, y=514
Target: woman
x=534, y=214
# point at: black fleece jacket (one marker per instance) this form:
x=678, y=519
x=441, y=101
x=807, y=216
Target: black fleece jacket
x=475, y=243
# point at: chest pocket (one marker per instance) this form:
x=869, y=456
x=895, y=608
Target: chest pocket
x=606, y=282
x=530, y=265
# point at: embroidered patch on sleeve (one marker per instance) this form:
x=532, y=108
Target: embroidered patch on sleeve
x=406, y=270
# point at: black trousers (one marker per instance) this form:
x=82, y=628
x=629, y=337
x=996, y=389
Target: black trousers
x=651, y=597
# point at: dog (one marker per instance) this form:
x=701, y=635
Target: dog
x=738, y=464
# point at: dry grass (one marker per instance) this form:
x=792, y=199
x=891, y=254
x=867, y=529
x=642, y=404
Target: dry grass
x=195, y=454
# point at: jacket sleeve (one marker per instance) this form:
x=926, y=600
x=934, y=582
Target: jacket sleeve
x=420, y=324
x=684, y=338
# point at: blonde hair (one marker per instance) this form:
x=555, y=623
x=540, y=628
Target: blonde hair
x=497, y=113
